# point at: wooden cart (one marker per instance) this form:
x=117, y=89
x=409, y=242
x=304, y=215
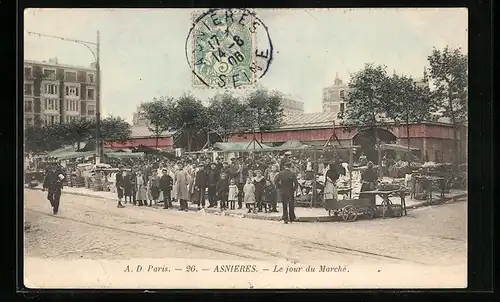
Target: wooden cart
x=350, y=209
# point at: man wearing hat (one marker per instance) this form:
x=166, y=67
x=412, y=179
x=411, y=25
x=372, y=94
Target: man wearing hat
x=213, y=178
x=287, y=184
x=53, y=182
x=285, y=159
x=200, y=183
x=166, y=183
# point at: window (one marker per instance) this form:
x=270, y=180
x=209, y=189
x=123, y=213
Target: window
x=51, y=104
x=90, y=94
x=27, y=72
x=49, y=74
x=70, y=76
x=90, y=77
x=91, y=110
x=342, y=107
x=342, y=94
x=70, y=119
x=72, y=105
x=28, y=106
x=28, y=121
x=51, y=89
x=72, y=91
x=28, y=89
x=51, y=119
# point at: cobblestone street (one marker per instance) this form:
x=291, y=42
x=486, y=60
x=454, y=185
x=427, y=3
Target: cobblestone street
x=96, y=229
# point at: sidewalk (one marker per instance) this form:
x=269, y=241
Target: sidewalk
x=303, y=214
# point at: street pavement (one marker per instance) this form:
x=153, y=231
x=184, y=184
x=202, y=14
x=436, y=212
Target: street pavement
x=94, y=228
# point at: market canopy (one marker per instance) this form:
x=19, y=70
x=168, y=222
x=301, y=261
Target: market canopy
x=239, y=146
x=396, y=147
x=124, y=155
x=293, y=145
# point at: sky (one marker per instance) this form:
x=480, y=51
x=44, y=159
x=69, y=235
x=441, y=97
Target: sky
x=143, y=54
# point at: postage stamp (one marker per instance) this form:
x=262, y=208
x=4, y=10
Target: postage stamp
x=228, y=49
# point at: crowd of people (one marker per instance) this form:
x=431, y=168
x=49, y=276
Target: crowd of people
x=256, y=183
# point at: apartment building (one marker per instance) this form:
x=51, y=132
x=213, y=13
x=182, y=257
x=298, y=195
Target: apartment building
x=334, y=97
x=57, y=93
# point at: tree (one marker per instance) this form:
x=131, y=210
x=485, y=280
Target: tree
x=406, y=102
x=264, y=110
x=77, y=132
x=448, y=72
x=365, y=106
x=188, y=118
x=114, y=128
x=157, y=112
x=225, y=115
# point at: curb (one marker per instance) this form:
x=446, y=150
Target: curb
x=436, y=202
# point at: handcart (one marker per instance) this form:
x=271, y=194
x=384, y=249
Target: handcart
x=350, y=209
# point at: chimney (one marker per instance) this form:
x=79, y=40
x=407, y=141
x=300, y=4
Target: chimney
x=53, y=60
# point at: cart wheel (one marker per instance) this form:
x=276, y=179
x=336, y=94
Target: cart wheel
x=330, y=213
x=370, y=212
x=349, y=213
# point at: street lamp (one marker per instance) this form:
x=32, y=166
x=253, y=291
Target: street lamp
x=96, y=54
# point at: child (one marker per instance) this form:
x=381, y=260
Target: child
x=223, y=191
x=249, y=197
x=233, y=193
x=268, y=196
x=259, y=182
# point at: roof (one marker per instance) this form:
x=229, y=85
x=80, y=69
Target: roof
x=309, y=120
x=142, y=131
x=66, y=66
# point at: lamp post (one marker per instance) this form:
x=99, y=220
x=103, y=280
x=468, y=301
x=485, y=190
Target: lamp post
x=96, y=54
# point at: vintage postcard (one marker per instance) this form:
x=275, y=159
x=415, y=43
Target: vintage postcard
x=245, y=148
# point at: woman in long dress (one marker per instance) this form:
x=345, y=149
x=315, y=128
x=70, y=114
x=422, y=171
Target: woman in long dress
x=182, y=181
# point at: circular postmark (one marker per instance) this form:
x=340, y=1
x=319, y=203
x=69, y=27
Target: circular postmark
x=228, y=48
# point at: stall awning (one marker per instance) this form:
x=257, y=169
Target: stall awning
x=396, y=147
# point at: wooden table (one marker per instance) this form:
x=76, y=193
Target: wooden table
x=428, y=180
x=386, y=198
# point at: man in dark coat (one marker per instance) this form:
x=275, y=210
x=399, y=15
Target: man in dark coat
x=119, y=187
x=166, y=183
x=133, y=182
x=213, y=178
x=287, y=184
x=53, y=183
x=201, y=182
x=241, y=179
x=218, y=164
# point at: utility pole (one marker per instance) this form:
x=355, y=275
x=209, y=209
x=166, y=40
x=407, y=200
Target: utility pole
x=99, y=150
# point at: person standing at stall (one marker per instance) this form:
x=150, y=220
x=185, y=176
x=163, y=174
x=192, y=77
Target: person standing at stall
x=330, y=178
x=369, y=179
x=223, y=191
x=287, y=184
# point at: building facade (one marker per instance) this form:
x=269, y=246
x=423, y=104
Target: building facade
x=291, y=106
x=57, y=93
x=334, y=97
x=138, y=120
